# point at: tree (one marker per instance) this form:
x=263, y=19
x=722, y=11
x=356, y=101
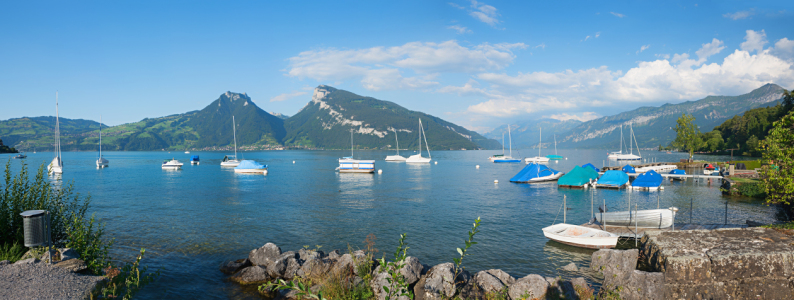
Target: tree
x=778, y=150
x=788, y=100
x=687, y=134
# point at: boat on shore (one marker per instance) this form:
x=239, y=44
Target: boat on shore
x=649, y=218
x=536, y=173
x=580, y=236
x=418, y=158
x=171, y=164
x=251, y=167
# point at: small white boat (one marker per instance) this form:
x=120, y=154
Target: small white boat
x=614, y=155
x=101, y=162
x=20, y=156
x=56, y=166
x=187, y=152
x=631, y=155
x=538, y=159
x=351, y=165
x=508, y=158
x=418, y=158
x=580, y=236
x=172, y=164
x=397, y=157
x=649, y=218
x=232, y=162
x=250, y=166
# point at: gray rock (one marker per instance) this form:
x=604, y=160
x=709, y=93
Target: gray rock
x=44, y=281
x=26, y=261
x=579, y=283
x=4, y=262
x=570, y=267
x=643, y=285
x=492, y=281
x=334, y=255
x=293, y=265
x=278, y=268
x=264, y=255
x=440, y=283
x=287, y=295
x=251, y=275
x=306, y=255
x=411, y=271
x=68, y=253
x=530, y=286
x=232, y=266
x=73, y=265
x=314, y=267
x=616, y=265
x=343, y=265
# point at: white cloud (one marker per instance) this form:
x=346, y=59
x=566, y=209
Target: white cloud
x=383, y=67
x=754, y=41
x=739, y=15
x=598, y=34
x=456, y=5
x=287, y=96
x=485, y=13
x=459, y=29
x=643, y=48
x=617, y=14
x=709, y=49
x=541, y=45
x=784, y=48
x=585, y=38
x=584, y=116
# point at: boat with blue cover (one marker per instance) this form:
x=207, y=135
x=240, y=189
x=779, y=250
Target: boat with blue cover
x=250, y=166
x=194, y=160
x=628, y=169
x=678, y=172
x=536, y=173
x=650, y=181
x=613, y=179
x=589, y=165
x=578, y=177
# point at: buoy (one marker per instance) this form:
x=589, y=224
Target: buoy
x=264, y=172
x=566, y=158
x=496, y=181
x=380, y=171
x=436, y=162
x=478, y=166
x=293, y=161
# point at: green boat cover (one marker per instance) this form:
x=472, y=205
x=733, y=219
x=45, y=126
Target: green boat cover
x=578, y=176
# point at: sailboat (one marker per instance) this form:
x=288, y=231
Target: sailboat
x=232, y=162
x=395, y=157
x=555, y=156
x=507, y=159
x=418, y=158
x=614, y=155
x=498, y=156
x=631, y=155
x=56, y=166
x=538, y=159
x=350, y=165
x=580, y=236
x=101, y=162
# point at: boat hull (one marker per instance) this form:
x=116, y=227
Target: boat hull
x=652, y=218
x=250, y=171
x=580, y=236
x=395, y=158
x=194, y=162
x=417, y=159
x=542, y=179
x=356, y=166
x=506, y=160
x=230, y=163
x=536, y=159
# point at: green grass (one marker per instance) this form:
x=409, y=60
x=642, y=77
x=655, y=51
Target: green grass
x=11, y=252
x=745, y=180
x=789, y=225
x=751, y=164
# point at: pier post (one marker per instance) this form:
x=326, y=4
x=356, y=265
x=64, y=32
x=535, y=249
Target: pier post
x=635, y=225
x=726, y=212
x=690, y=209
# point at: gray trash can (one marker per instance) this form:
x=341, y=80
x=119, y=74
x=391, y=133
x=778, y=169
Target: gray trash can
x=36, y=224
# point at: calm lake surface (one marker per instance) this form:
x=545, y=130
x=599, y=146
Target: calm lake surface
x=191, y=220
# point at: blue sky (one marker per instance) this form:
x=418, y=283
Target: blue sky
x=478, y=64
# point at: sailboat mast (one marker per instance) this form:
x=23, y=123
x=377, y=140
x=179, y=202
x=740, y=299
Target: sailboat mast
x=234, y=132
x=510, y=138
x=621, y=138
x=555, y=144
x=100, y=136
x=503, y=143
x=420, y=137
x=540, y=138
x=351, y=142
x=57, y=129
x=636, y=144
x=631, y=132
x=398, y=142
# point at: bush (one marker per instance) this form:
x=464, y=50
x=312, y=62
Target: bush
x=754, y=190
x=11, y=252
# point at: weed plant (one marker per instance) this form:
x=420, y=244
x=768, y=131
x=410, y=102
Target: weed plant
x=11, y=252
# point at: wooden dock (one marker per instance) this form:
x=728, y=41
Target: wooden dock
x=629, y=232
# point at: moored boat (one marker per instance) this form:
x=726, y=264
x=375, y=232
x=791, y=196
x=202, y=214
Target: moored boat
x=227, y=162
x=648, y=181
x=418, y=158
x=650, y=218
x=194, y=160
x=250, y=166
x=101, y=162
x=536, y=173
x=538, y=159
x=613, y=179
x=397, y=157
x=171, y=164
x=579, y=236
x=351, y=165
x=578, y=178
x=20, y=156
x=56, y=166
x=508, y=158
x=678, y=172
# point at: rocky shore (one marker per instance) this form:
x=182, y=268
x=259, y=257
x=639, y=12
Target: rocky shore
x=268, y=263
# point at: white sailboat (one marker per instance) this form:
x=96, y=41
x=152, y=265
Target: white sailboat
x=580, y=236
x=538, y=159
x=101, y=162
x=614, y=155
x=631, y=155
x=56, y=166
x=232, y=162
x=418, y=158
x=509, y=158
x=351, y=165
x=395, y=157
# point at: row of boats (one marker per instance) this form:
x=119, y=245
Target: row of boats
x=350, y=165
x=588, y=175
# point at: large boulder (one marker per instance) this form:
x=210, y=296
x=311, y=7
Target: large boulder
x=344, y=265
x=616, y=265
x=528, y=287
x=278, y=268
x=293, y=265
x=73, y=265
x=493, y=281
x=411, y=271
x=251, y=275
x=232, y=266
x=307, y=254
x=442, y=283
x=264, y=255
x=334, y=255
x=643, y=285
x=314, y=267
x=68, y=253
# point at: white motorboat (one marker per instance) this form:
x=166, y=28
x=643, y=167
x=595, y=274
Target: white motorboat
x=418, y=158
x=232, y=162
x=580, y=236
x=351, y=165
x=631, y=155
x=101, y=162
x=650, y=218
x=172, y=164
x=250, y=166
x=397, y=157
x=56, y=166
x=538, y=159
x=187, y=152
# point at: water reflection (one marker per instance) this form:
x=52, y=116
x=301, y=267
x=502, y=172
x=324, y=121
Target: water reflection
x=355, y=190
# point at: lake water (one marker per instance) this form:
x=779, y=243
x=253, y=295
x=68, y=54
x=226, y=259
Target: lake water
x=191, y=220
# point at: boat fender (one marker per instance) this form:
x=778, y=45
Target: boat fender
x=477, y=166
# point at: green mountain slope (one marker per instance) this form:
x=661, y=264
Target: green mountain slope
x=654, y=125
x=326, y=121
x=213, y=124
x=526, y=133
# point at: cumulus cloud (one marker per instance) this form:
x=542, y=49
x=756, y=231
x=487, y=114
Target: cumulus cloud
x=584, y=116
x=617, y=14
x=709, y=49
x=784, y=48
x=643, y=48
x=381, y=68
x=459, y=29
x=739, y=15
x=287, y=96
x=754, y=41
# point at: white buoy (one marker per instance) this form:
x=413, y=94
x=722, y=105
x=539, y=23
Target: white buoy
x=380, y=171
x=566, y=158
x=496, y=181
x=264, y=172
x=478, y=166
x=436, y=162
x=293, y=161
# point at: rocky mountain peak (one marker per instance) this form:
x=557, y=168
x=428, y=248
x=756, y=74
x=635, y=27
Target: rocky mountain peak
x=320, y=92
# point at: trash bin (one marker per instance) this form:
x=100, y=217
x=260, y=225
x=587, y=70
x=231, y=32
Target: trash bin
x=36, y=224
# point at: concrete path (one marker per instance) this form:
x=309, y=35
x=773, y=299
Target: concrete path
x=43, y=281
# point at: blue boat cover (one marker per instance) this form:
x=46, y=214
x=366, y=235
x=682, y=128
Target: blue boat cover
x=678, y=172
x=250, y=164
x=194, y=158
x=589, y=165
x=532, y=171
x=614, y=178
x=578, y=176
x=629, y=169
x=648, y=179
x=554, y=157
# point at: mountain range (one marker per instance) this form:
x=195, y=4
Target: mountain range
x=324, y=123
